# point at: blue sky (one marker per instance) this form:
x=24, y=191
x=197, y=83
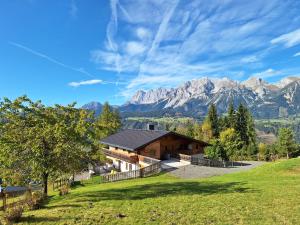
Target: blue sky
x=101, y=50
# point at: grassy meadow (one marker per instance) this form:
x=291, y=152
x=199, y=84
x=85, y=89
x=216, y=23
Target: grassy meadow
x=268, y=194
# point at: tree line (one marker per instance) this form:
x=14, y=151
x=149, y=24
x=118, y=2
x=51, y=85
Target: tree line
x=39, y=142
x=233, y=136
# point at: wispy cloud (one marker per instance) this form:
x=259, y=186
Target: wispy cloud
x=289, y=39
x=168, y=42
x=86, y=82
x=50, y=59
x=297, y=54
x=269, y=73
x=73, y=9
x=250, y=59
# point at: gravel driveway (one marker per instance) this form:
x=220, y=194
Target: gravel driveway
x=194, y=171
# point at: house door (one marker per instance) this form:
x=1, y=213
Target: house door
x=166, y=154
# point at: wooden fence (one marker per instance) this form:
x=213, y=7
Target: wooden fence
x=16, y=196
x=143, y=172
x=57, y=184
x=214, y=163
x=196, y=160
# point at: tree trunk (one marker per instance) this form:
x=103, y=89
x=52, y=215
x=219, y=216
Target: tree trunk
x=45, y=182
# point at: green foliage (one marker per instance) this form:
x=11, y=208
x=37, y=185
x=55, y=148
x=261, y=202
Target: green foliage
x=41, y=142
x=108, y=122
x=286, y=144
x=190, y=129
x=216, y=150
x=212, y=118
x=198, y=134
x=207, y=132
x=262, y=151
x=231, y=143
x=241, y=124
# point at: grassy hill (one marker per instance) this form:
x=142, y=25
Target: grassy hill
x=266, y=195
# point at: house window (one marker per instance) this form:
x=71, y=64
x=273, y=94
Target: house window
x=130, y=167
x=126, y=166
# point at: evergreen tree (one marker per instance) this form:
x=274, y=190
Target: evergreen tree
x=212, y=118
x=242, y=124
x=286, y=144
x=251, y=128
x=190, y=129
x=231, y=114
x=108, y=122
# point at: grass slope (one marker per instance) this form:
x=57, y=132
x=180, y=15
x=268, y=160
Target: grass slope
x=266, y=195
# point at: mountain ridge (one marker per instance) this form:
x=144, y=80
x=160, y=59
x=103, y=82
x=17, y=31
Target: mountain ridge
x=193, y=98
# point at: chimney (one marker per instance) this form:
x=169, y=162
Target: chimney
x=150, y=126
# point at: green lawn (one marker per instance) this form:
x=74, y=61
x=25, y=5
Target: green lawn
x=269, y=194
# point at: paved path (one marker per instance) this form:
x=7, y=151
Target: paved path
x=194, y=171
x=173, y=164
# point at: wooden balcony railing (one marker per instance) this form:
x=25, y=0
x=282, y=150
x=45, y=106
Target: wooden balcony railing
x=125, y=157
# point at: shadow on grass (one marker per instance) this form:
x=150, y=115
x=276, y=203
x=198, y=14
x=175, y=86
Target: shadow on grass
x=63, y=206
x=140, y=192
x=34, y=219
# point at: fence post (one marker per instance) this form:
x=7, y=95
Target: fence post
x=142, y=172
x=4, y=200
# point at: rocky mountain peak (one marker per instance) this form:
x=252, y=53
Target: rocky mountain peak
x=286, y=81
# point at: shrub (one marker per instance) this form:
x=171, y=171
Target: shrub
x=35, y=200
x=64, y=190
x=13, y=214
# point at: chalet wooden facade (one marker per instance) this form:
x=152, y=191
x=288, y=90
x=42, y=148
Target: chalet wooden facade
x=134, y=149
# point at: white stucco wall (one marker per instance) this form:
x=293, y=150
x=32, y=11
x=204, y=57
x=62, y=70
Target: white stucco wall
x=123, y=165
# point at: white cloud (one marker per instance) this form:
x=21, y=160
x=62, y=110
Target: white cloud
x=288, y=40
x=135, y=48
x=86, y=82
x=268, y=73
x=171, y=41
x=143, y=33
x=297, y=54
x=250, y=59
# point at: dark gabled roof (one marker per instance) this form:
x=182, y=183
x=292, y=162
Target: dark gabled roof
x=134, y=139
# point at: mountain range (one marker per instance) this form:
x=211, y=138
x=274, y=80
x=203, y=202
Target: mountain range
x=193, y=98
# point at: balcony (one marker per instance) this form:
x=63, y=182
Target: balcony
x=125, y=157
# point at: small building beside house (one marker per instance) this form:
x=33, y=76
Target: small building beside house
x=133, y=149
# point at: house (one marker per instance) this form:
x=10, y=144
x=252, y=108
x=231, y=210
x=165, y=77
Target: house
x=133, y=149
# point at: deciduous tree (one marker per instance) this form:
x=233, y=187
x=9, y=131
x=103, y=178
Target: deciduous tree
x=42, y=142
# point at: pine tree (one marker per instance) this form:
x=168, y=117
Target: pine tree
x=286, y=144
x=251, y=128
x=241, y=124
x=231, y=115
x=108, y=122
x=212, y=118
